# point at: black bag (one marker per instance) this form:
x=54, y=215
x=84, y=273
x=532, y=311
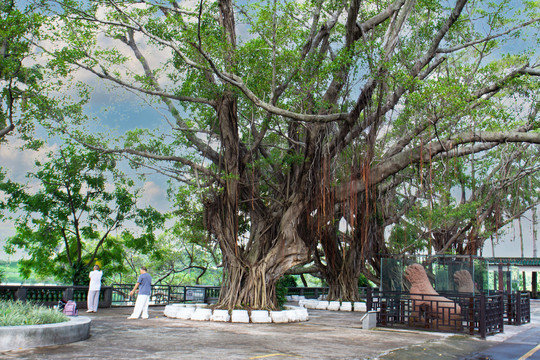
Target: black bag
x=61, y=305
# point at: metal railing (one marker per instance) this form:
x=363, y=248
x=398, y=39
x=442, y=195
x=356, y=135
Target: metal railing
x=50, y=295
x=307, y=292
x=470, y=314
x=517, y=307
x=118, y=294
x=166, y=294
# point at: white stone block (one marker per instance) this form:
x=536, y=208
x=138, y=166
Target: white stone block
x=294, y=298
x=302, y=314
x=184, y=313
x=279, y=317
x=170, y=311
x=333, y=305
x=220, y=315
x=369, y=321
x=321, y=297
x=201, y=314
x=201, y=306
x=360, y=306
x=291, y=315
x=260, y=316
x=346, y=306
x=301, y=297
x=302, y=303
x=288, y=297
x=240, y=316
x=311, y=304
x=322, y=305
x=190, y=305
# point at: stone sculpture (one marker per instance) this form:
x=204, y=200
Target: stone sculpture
x=464, y=281
x=428, y=304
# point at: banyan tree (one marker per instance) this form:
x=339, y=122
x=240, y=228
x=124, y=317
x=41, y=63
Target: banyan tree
x=295, y=122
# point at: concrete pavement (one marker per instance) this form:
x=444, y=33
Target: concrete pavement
x=327, y=335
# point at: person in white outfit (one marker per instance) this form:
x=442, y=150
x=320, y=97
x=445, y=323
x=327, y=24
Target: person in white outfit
x=144, y=283
x=93, y=289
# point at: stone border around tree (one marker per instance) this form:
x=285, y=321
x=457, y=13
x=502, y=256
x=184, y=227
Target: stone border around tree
x=333, y=305
x=201, y=312
x=30, y=336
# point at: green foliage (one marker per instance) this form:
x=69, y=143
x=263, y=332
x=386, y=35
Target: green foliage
x=406, y=238
x=288, y=281
x=67, y=223
x=185, y=251
x=12, y=274
x=19, y=313
x=23, y=99
x=363, y=281
x=281, y=289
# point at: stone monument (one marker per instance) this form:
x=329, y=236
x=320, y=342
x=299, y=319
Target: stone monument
x=464, y=281
x=427, y=305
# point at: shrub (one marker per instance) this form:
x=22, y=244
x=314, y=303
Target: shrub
x=281, y=289
x=16, y=313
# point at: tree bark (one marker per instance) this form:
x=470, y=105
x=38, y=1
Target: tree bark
x=344, y=287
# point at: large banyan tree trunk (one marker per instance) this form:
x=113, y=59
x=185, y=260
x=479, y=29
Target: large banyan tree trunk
x=250, y=273
x=250, y=270
x=344, y=286
x=350, y=229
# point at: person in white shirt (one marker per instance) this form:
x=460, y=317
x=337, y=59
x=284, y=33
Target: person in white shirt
x=93, y=289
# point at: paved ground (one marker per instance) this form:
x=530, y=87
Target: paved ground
x=327, y=335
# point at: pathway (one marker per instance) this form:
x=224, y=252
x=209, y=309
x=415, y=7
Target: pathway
x=327, y=335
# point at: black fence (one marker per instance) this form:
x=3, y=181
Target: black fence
x=307, y=292
x=51, y=295
x=166, y=294
x=118, y=294
x=470, y=314
x=517, y=308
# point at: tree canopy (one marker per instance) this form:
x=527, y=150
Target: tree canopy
x=291, y=118
x=69, y=214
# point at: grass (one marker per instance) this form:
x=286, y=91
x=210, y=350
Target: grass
x=16, y=313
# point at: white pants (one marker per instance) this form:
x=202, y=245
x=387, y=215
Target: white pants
x=141, y=306
x=93, y=300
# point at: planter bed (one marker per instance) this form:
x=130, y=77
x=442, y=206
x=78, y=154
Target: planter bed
x=30, y=336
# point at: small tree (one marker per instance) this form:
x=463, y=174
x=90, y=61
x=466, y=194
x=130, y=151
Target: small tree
x=67, y=223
